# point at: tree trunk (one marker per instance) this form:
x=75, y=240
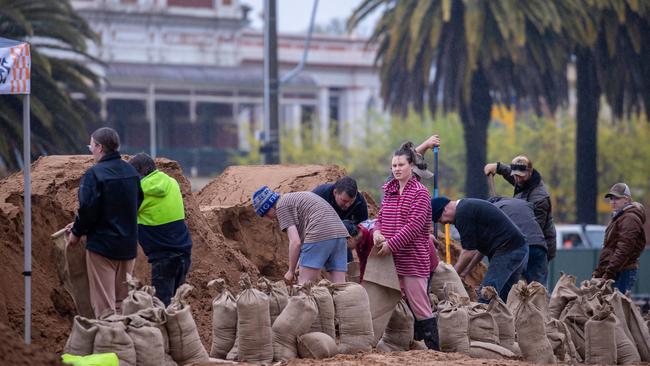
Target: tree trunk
x=476, y=118
x=588, y=105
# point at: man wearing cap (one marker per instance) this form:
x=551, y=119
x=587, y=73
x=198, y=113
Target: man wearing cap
x=317, y=237
x=485, y=230
x=530, y=187
x=624, y=239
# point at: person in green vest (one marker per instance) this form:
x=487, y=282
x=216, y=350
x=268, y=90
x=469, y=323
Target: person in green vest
x=162, y=231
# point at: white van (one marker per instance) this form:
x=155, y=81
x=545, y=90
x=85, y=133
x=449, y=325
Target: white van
x=579, y=236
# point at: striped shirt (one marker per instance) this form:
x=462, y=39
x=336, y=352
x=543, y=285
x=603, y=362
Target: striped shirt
x=405, y=221
x=314, y=218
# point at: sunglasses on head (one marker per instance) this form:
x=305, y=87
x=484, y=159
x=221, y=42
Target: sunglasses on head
x=519, y=167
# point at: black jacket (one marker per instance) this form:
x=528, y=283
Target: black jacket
x=109, y=197
x=535, y=192
x=358, y=212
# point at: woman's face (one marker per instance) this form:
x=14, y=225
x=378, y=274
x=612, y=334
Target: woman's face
x=401, y=168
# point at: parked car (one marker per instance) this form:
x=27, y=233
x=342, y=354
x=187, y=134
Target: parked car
x=579, y=236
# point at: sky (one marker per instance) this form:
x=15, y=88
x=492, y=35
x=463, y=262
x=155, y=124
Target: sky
x=293, y=15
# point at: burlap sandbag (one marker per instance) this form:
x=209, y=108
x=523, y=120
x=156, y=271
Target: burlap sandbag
x=112, y=337
x=399, y=332
x=489, y=351
x=600, y=342
x=453, y=325
x=82, y=337
x=147, y=341
x=294, y=321
x=530, y=326
x=537, y=295
x=316, y=345
x=445, y=273
x=324, y=322
x=381, y=283
x=565, y=291
x=233, y=354
x=503, y=317
x=158, y=318
x=638, y=328
x=354, y=272
x=560, y=338
x=71, y=267
x=626, y=352
x=253, y=324
x=278, y=297
x=184, y=342
x=482, y=326
x=575, y=317
x=139, y=298
x=224, y=320
x=352, y=313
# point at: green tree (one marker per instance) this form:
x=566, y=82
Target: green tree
x=466, y=55
x=57, y=37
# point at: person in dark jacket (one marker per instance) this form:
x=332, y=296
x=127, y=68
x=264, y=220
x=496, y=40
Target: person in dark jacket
x=522, y=214
x=109, y=197
x=624, y=239
x=485, y=231
x=346, y=200
x=162, y=231
x=530, y=187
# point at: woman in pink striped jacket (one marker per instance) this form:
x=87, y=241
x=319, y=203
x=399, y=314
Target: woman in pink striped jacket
x=403, y=227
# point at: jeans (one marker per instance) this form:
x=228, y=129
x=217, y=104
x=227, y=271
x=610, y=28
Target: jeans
x=625, y=279
x=505, y=269
x=537, y=268
x=167, y=274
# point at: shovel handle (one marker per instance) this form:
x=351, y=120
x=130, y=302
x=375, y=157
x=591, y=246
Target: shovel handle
x=490, y=180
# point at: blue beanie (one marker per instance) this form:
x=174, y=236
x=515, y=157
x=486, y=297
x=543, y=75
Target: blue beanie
x=263, y=199
x=437, y=206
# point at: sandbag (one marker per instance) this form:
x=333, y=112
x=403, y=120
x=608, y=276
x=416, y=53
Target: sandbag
x=482, y=326
x=224, y=320
x=453, y=328
x=316, y=345
x=575, y=317
x=324, y=322
x=158, y=318
x=530, y=324
x=112, y=337
x=253, y=324
x=560, y=338
x=139, y=297
x=502, y=316
x=382, y=287
x=445, y=273
x=626, y=352
x=565, y=291
x=71, y=267
x=184, y=342
x=233, y=354
x=489, y=351
x=638, y=328
x=399, y=332
x=82, y=337
x=147, y=341
x=294, y=321
x=537, y=295
x=600, y=344
x=352, y=313
x=278, y=296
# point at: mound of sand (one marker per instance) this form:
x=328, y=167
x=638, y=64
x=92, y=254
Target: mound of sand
x=14, y=352
x=55, y=181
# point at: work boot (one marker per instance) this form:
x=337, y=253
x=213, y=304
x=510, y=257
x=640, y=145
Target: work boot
x=427, y=330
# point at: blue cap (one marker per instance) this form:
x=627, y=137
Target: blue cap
x=437, y=206
x=263, y=199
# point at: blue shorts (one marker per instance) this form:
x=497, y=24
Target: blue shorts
x=329, y=254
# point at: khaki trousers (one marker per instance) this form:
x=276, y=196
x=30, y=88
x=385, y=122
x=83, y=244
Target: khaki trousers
x=107, y=283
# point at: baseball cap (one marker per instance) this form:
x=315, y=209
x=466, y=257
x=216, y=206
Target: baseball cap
x=520, y=165
x=619, y=190
x=420, y=167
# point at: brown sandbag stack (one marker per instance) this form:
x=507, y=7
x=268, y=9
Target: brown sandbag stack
x=316, y=345
x=446, y=274
x=354, y=318
x=503, y=317
x=158, y=318
x=530, y=324
x=147, y=340
x=637, y=327
x=253, y=324
x=560, y=338
x=278, y=296
x=537, y=296
x=575, y=316
x=399, y=332
x=294, y=321
x=82, y=337
x=224, y=320
x=112, y=337
x=564, y=292
x=184, y=342
x=600, y=344
x=139, y=297
x=324, y=322
x=482, y=326
x=489, y=351
x=453, y=323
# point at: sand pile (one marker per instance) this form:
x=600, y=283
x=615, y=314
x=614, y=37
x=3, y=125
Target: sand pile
x=14, y=352
x=55, y=181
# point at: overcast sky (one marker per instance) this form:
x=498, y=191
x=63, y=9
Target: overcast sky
x=293, y=15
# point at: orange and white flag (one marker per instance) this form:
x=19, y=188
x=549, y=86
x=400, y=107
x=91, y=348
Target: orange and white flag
x=15, y=67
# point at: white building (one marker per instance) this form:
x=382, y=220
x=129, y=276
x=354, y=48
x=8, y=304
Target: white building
x=193, y=69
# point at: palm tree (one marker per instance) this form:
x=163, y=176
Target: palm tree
x=58, y=39
x=466, y=55
x=615, y=64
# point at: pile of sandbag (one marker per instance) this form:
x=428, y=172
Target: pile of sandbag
x=145, y=334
